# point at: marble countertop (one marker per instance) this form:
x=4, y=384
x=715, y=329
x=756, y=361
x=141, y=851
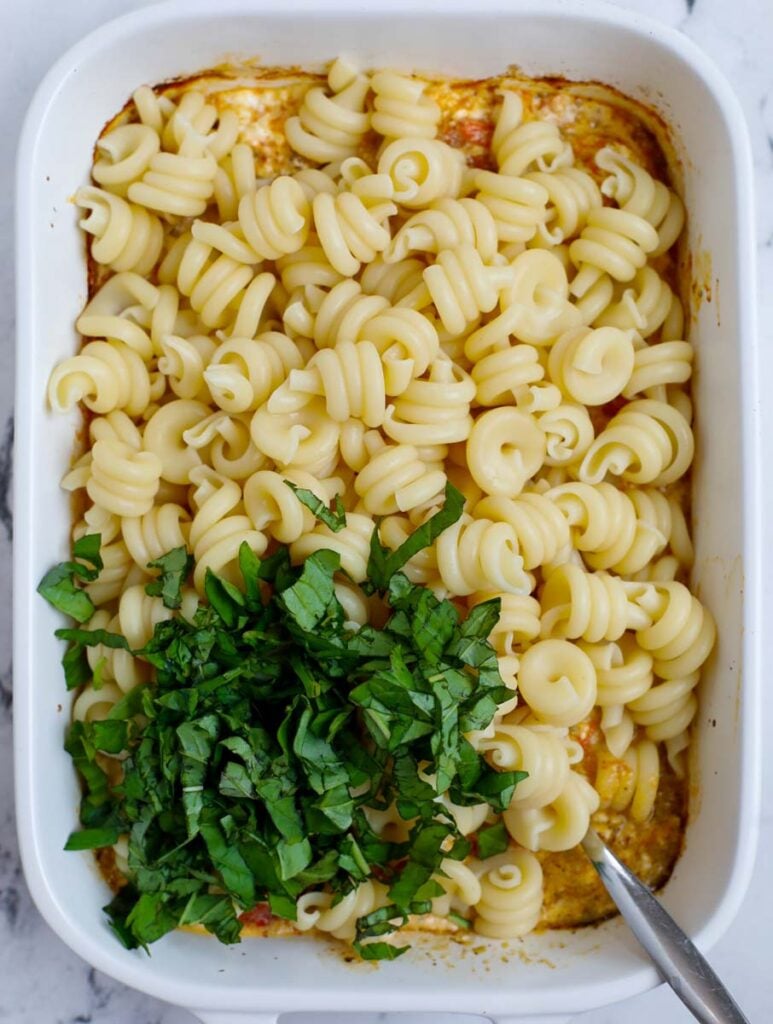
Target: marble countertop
x=41, y=980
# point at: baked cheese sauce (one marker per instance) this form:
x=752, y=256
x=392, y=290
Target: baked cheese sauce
x=590, y=117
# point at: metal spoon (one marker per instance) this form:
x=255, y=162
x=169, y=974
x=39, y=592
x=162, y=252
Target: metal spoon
x=678, y=961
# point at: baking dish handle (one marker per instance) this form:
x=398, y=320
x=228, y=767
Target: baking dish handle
x=531, y=1019
x=247, y=1017
x=218, y=1017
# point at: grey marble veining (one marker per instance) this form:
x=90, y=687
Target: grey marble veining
x=41, y=981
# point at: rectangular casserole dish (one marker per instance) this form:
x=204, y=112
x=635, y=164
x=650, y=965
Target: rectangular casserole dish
x=549, y=976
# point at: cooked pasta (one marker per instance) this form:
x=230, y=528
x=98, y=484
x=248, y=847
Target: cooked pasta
x=330, y=127
x=510, y=895
x=648, y=442
x=592, y=366
x=308, y=317
x=126, y=236
x=559, y=825
x=421, y=171
x=401, y=108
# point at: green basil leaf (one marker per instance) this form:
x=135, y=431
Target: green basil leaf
x=59, y=589
x=92, y=838
x=492, y=840
x=382, y=567
x=334, y=519
x=58, y=586
x=226, y=600
x=481, y=619
x=308, y=600
x=174, y=568
x=379, y=950
x=215, y=913
x=282, y=906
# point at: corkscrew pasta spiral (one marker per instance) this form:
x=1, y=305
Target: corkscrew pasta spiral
x=120, y=311
x=535, y=304
x=274, y=508
x=644, y=306
x=116, y=667
x=568, y=433
x=316, y=909
x=330, y=126
x=543, y=536
x=350, y=378
x=461, y=886
x=648, y=442
x=219, y=528
x=592, y=366
x=124, y=154
x=118, y=570
x=518, y=206
x=164, y=438
x=502, y=375
x=123, y=481
x=505, y=448
x=477, y=554
x=400, y=283
x=636, y=191
x=235, y=177
x=519, y=147
x=352, y=543
x=179, y=184
x=395, y=479
x=519, y=620
x=243, y=372
x=307, y=266
x=228, y=444
x=657, y=367
x=104, y=375
x=665, y=712
x=541, y=750
x=401, y=108
x=446, y=224
x=275, y=218
x=350, y=231
x=558, y=682
x=559, y=825
x=614, y=242
x=421, y=170
x=182, y=361
x=213, y=282
x=592, y=606
x=614, y=529
x=151, y=535
x=434, y=409
x=126, y=236
x=461, y=286
x=630, y=782
x=511, y=895
x=681, y=634
x=571, y=195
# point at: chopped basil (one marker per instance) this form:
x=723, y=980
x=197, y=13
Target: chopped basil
x=334, y=518
x=493, y=840
x=60, y=585
x=270, y=726
x=174, y=568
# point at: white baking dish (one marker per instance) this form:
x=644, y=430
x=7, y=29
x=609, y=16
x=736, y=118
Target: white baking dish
x=547, y=977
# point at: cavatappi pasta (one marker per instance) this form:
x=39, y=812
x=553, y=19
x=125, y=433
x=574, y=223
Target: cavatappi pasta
x=369, y=284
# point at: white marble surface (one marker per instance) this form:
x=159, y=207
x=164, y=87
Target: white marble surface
x=41, y=981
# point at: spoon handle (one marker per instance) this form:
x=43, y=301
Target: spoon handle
x=678, y=961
